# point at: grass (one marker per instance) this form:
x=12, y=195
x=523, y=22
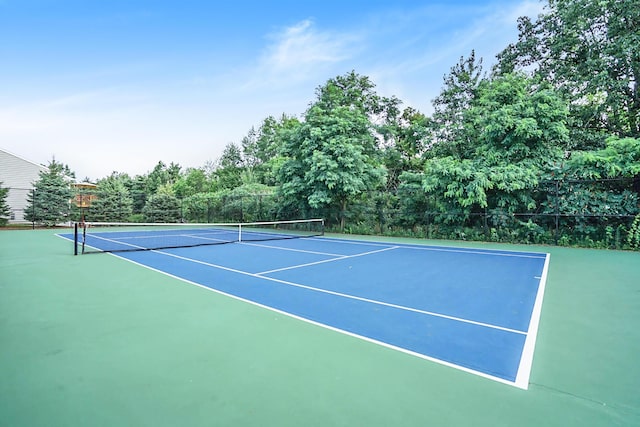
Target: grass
x=94, y=340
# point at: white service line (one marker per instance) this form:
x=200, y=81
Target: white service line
x=326, y=260
x=289, y=249
x=492, y=252
x=353, y=297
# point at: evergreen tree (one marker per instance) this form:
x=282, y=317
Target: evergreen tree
x=48, y=203
x=162, y=206
x=230, y=167
x=5, y=212
x=113, y=202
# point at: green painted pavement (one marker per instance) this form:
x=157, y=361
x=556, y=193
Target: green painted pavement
x=98, y=341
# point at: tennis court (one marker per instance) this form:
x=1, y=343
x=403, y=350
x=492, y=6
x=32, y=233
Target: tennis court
x=475, y=310
x=320, y=331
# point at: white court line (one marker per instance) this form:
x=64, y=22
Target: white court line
x=120, y=242
x=340, y=294
x=524, y=369
x=526, y=359
x=322, y=325
x=327, y=260
x=493, y=252
x=289, y=249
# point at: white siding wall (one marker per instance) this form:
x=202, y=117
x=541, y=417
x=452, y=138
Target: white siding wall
x=18, y=175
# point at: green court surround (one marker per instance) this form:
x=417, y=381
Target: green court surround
x=98, y=341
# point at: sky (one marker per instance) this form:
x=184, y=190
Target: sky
x=119, y=85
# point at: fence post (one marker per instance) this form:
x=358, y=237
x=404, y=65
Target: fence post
x=486, y=226
x=557, y=211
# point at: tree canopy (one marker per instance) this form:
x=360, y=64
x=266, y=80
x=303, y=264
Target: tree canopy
x=504, y=155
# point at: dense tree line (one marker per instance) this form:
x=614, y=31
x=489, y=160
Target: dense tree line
x=505, y=155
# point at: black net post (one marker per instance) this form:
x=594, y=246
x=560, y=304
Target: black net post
x=75, y=238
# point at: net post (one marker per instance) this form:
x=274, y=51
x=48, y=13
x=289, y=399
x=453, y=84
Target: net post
x=240, y=232
x=75, y=238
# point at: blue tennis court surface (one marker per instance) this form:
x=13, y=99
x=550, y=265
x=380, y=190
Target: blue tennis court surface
x=471, y=309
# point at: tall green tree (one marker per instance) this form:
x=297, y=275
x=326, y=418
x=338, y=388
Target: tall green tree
x=349, y=90
x=113, y=201
x=590, y=52
x=193, y=181
x=229, y=168
x=262, y=148
x=405, y=141
x=162, y=175
x=520, y=138
x=162, y=206
x=5, y=212
x=332, y=158
x=48, y=203
x=139, y=192
x=450, y=137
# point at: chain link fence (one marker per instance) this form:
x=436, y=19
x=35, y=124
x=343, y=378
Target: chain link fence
x=588, y=213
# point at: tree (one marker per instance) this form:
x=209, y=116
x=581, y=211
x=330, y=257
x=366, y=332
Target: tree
x=228, y=173
x=450, y=107
x=192, y=182
x=619, y=158
x=5, y=212
x=138, y=191
x=162, y=206
x=590, y=52
x=349, y=90
x=332, y=157
x=162, y=175
x=113, y=202
x=405, y=141
x=48, y=202
x=522, y=133
x=262, y=148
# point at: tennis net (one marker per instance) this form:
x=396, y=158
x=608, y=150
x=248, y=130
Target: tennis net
x=92, y=237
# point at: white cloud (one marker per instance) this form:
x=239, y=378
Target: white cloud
x=301, y=52
x=127, y=117
x=418, y=77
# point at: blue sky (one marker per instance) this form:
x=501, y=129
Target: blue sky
x=119, y=85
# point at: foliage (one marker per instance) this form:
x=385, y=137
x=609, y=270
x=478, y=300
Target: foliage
x=48, y=202
x=262, y=148
x=514, y=135
x=5, y=212
x=193, y=181
x=250, y=203
x=113, y=202
x=589, y=51
x=162, y=175
x=619, y=158
x=331, y=158
x=450, y=127
x=405, y=139
x=162, y=207
x=545, y=149
x=633, y=239
x=230, y=166
x=201, y=207
x=138, y=191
